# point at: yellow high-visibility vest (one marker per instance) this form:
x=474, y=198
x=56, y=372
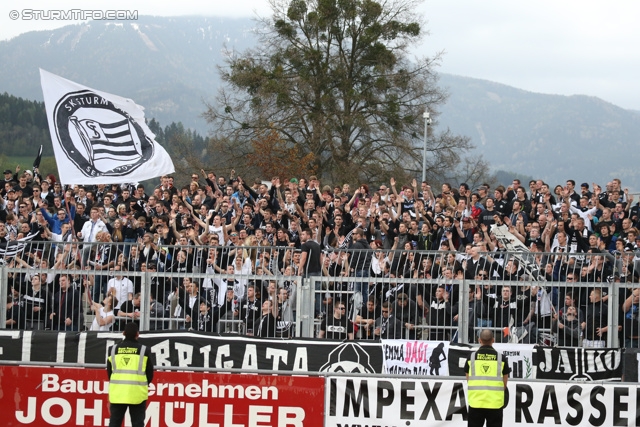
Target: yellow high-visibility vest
x=128, y=382
x=486, y=386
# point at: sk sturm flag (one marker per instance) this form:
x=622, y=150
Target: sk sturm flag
x=99, y=138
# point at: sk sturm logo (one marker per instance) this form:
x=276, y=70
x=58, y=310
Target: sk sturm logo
x=350, y=358
x=126, y=360
x=99, y=138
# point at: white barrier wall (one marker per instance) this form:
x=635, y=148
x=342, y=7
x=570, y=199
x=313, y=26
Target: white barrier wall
x=358, y=401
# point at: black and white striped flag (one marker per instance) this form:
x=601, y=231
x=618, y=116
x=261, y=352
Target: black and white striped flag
x=100, y=138
x=8, y=250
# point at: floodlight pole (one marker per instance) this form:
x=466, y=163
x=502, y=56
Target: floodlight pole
x=427, y=122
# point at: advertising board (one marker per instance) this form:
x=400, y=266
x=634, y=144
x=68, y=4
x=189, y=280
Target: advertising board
x=79, y=397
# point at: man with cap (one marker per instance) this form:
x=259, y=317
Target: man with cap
x=625, y=264
x=8, y=175
x=30, y=176
x=487, y=372
x=207, y=319
x=130, y=371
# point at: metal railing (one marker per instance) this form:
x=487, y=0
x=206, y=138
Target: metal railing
x=449, y=295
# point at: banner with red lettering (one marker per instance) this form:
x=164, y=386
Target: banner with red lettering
x=79, y=397
x=405, y=357
x=436, y=358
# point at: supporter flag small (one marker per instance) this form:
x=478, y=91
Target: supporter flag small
x=100, y=138
x=36, y=162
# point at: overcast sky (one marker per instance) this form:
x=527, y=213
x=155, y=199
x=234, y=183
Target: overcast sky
x=559, y=47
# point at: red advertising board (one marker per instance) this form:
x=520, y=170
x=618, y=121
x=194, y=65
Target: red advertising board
x=79, y=397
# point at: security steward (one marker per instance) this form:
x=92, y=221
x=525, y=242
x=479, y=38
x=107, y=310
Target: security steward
x=130, y=371
x=487, y=373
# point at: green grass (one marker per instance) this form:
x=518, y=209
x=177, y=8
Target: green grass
x=22, y=161
x=47, y=165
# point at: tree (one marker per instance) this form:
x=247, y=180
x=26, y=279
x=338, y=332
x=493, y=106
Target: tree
x=185, y=146
x=334, y=78
x=272, y=157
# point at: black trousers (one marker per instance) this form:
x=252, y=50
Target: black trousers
x=478, y=416
x=137, y=413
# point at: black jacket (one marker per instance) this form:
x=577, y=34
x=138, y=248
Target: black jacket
x=361, y=256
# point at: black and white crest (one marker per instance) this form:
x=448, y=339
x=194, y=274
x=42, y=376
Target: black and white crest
x=99, y=138
x=348, y=357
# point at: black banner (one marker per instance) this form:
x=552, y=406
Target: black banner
x=560, y=363
x=190, y=349
x=522, y=359
x=630, y=362
x=579, y=364
x=198, y=350
x=458, y=354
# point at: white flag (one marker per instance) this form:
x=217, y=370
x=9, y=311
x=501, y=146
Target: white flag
x=99, y=138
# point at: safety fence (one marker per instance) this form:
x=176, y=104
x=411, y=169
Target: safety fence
x=565, y=299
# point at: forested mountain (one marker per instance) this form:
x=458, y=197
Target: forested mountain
x=23, y=126
x=551, y=137
x=169, y=65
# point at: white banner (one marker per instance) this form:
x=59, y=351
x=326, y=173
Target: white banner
x=404, y=357
x=520, y=358
x=358, y=401
x=438, y=358
x=99, y=138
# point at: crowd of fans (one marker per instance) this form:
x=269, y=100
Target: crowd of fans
x=551, y=281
